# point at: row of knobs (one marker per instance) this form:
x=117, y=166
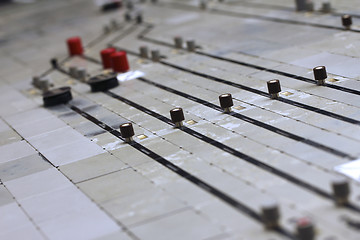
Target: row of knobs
x=270, y=212
x=274, y=87
x=117, y=61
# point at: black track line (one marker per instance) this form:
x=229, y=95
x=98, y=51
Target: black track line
x=232, y=151
x=183, y=173
x=252, y=121
x=253, y=90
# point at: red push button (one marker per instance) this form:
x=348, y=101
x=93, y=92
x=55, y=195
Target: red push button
x=119, y=62
x=106, y=57
x=75, y=46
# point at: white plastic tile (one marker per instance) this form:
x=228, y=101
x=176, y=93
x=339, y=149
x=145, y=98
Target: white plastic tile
x=41, y=126
x=174, y=227
x=92, y=167
x=22, y=167
x=87, y=225
x=37, y=183
x=28, y=231
x=140, y=207
x=12, y=218
x=15, y=151
x=54, y=139
x=72, y=152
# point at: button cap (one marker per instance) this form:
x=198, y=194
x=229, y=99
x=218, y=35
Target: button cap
x=346, y=20
x=127, y=17
x=341, y=190
x=226, y=102
x=57, y=96
x=75, y=46
x=155, y=55
x=305, y=229
x=119, y=62
x=127, y=131
x=301, y=5
x=103, y=82
x=139, y=18
x=144, y=52
x=178, y=42
x=270, y=215
x=191, y=46
x=177, y=116
x=274, y=88
x=320, y=74
x=111, y=6
x=73, y=71
x=81, y=74
x=54, y=62
x=35, y=81
x=106, y=57
x=326, y=7
x=44, y=84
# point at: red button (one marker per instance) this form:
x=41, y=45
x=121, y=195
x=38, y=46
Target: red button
x=75, y=46
x=119, y=62
x=106, y=57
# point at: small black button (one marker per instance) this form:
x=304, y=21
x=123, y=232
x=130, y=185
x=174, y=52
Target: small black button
x=270, y=215
x=57, y=96
x=341, y=191
x=320, y=74
x=305, y=229
x=103, y=82
x=274, y=88
x=127, y=131
x=177, y=116
x=226, y=100
x=54, y=62
x=346, y=20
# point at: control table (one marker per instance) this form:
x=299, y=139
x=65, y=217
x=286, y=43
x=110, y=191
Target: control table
x=191, y=119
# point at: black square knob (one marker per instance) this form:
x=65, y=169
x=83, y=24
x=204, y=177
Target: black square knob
x=274, y=88
x=103, y=82
x=54, y=62
x=226, y=100
x=346, y=20
x=57, y=96
x=341, y=190
x=127, y=130
x=177, y=116
x=320, y=74
x=270, y=215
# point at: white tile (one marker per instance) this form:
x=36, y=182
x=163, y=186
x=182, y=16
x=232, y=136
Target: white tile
x=28, y=232
x=28, y=117
x=88, y=225
x=53, y=204
x=142, y=206
x=336, y=64
x=31, y=129
x=12, y=218
x=22, y=167
x=183, y=225
x=92, y=167
x=15, y=151
x=56, y=138
x=3, y=126
x=115, y=185
x=5, y=196
x=119, y=235
x=72, y=152
x=37, y=183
